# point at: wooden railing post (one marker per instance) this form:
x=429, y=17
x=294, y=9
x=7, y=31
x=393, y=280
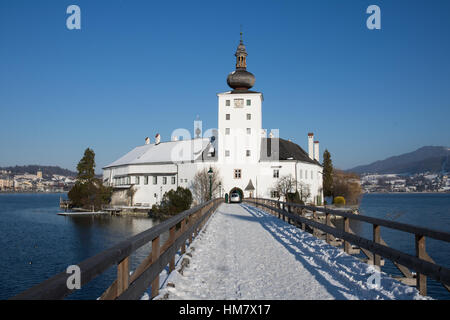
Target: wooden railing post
x=347, y=229
x=302, y=213
x=196, y=217
x=376, y=239
x=289, y=210
x=315, y=232
x=183, y=228
x=123, y=275
x=171, y=241
x=279, y=207
x=421, y=254
x=155, y=256
x=328, y=222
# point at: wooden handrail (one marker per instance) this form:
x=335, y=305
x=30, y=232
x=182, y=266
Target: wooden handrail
x=435, y=234
x=376, y=248
x=56, y=287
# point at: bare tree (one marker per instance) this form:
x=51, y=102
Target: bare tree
x=285, y=185
x=130, y=194
x=200, y=185
x=347, y=185
x=304, y=191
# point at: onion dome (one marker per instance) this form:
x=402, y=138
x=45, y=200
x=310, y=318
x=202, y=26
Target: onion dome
x=241, y=79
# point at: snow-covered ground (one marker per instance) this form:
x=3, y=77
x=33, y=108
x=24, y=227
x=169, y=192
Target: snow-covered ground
x=246, y=253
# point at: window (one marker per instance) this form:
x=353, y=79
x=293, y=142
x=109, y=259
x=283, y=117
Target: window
x=311, y=174
x=227, y=103
x=155, y=179
x=227, y=116
x=276, y=173
x=227, y=131
x=173, y=180
x=249, y=131
x=237, y=173
x=274, y=194
x=164, y=180
x=301, y=174
x=146, y=180
x=249, y=102
x=137, y=180
x=227, y=153
x=247, y=153
x=249, y=116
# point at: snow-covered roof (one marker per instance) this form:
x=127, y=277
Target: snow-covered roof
x=164, y=152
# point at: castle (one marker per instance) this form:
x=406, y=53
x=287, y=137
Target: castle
x=249, y=160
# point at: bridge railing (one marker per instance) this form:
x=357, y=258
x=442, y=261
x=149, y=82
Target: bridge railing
x=181, y=228
x=374, y=249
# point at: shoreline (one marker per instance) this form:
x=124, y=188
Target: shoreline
x=433, y=192
x=33, y=192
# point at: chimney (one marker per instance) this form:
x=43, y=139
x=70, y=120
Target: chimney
x=147, y=140
x=157, y=139
x=316, y=151
x=311, y=145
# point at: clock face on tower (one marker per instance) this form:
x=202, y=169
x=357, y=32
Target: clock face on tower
x=238, y=103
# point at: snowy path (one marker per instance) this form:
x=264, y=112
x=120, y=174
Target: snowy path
x=246, y=253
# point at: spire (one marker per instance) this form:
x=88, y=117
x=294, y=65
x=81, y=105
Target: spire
x=241, y=55
x=241, y=79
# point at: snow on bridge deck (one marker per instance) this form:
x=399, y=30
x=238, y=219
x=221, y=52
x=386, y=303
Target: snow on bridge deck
x=246, y=253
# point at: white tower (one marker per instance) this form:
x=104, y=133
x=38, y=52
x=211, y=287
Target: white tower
x=240, y=115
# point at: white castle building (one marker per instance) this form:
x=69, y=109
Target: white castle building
x=249, y=160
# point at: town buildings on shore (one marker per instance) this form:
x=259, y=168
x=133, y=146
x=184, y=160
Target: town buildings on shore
x=248, y=159
x=422, y=182
x=30, y=182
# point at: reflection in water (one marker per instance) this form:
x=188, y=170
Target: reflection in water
x=37, y=243
x=87, y=230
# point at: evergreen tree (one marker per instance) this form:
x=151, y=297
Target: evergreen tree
x=173, y=202
x=86, y=166
x=88, y=192
x=327, y=174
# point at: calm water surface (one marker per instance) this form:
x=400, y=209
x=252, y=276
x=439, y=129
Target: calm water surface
x=426, y=210
x=37, y=243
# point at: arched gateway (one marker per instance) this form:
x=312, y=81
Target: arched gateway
x=237, y=190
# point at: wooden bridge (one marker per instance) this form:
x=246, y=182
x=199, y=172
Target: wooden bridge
x=183, y=228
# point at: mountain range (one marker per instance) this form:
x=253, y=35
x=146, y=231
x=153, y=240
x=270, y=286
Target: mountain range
x=426, y=159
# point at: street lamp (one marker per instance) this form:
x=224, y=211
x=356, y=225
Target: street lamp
x=210, y=173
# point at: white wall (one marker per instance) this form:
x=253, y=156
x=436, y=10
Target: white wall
x=238, y=141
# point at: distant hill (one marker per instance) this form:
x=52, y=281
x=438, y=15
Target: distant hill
x=426, y=159
x=46, y=170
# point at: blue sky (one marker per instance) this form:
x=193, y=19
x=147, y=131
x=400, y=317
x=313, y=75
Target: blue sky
x=141, y=67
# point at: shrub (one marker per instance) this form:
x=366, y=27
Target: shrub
x=294, y=198
x=173, y=202
x=339, y=201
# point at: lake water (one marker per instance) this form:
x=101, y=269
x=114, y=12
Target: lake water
x=425, y=210
x=37, y=243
